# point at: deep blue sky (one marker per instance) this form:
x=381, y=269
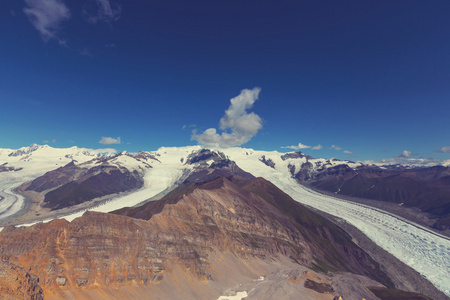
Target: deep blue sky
x=372, y=77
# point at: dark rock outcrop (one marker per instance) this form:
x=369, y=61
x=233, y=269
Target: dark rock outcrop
x=297, y=154
x=5, y=168
x=268, y=162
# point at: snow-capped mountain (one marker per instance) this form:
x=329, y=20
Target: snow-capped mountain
x=164, y=170
x=43, y=158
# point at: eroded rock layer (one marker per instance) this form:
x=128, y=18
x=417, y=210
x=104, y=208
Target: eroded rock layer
x=249, y=219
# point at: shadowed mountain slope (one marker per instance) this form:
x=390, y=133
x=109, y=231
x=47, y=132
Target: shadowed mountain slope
x=74, y=184
x=425, y=188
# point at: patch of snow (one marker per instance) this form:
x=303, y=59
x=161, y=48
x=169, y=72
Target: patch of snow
x=238, y=296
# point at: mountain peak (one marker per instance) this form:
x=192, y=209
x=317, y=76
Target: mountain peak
x=27, y=150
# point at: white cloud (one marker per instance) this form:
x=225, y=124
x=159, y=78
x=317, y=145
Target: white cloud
x=103, y=151
x=335, y=147
x=46, y=16
x=241, y=126
x=297, y=147
x=318, y=147
x=405, y=153
x=105, y=10
x=445, y=149
x=348, y=152
x=109, y=140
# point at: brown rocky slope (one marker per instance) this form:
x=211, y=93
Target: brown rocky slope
x=184, y=244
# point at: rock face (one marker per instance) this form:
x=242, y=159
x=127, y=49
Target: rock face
x=5, y=168
x=268, y=162
x=255, y=213
x=297, y=154
x=16, y=283
x=250, y=219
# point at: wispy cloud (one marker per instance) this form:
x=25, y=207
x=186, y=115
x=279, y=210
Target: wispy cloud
x=318, y=147
x=85, y=52
x=405, y=153
x=348, y=152
x=445, y=149
x=103, y=10
x=297, y=147
x=109, y=140
x=240, y=124
x=189, y=126
x=48, y=141
x=335, y=147
x=46, y=16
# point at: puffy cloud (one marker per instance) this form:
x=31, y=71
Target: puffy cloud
x=405, y=153
x=348, y=152
x=318, y=147
x=335, y=147
x=46, y=16
x=103, y=10
x=109, y=140
x=297, y=147
x=445, y=149
x=237, y=125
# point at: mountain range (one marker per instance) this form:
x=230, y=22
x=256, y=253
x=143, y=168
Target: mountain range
x=195, y=223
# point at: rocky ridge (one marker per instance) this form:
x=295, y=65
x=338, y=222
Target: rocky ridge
x=216, y=212
x=74, y=184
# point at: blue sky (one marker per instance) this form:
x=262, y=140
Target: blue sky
x=369, y=77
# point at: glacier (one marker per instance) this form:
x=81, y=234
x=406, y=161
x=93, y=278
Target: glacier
x=422, y=249
x=426, y=252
